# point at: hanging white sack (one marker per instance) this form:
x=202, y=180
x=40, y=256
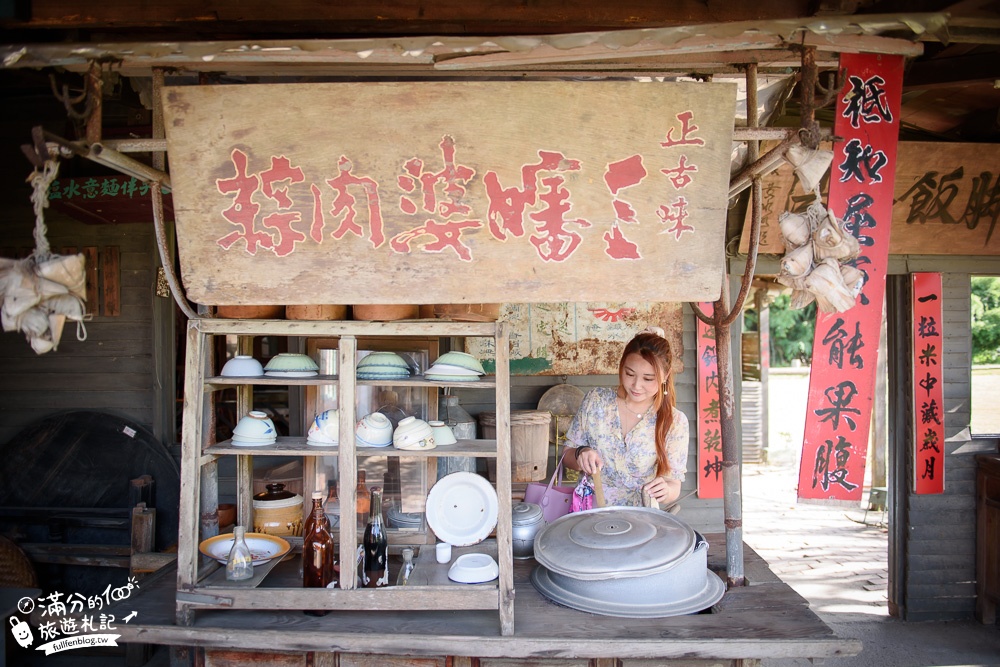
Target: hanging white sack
x=69, y=271
x=810, y=165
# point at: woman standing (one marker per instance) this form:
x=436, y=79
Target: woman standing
x=633, y=434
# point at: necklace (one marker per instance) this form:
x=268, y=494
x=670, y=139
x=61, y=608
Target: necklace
x=638, y=415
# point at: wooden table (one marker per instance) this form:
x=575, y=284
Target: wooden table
x=766, y=619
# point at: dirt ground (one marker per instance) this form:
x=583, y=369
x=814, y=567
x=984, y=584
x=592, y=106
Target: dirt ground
x=985, y=399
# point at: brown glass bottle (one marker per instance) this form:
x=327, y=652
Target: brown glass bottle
x=376, y=545
x=317, y=553
x=363, y=505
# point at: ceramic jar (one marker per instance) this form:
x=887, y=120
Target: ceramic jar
x=277, y=512
x=528, y=520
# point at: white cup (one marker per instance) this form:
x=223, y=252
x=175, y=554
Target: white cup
x=443, y=552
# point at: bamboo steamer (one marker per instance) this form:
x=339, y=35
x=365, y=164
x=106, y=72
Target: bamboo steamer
x=467, y=312
x=316, y=312
x=385, y=313
x=250, y=312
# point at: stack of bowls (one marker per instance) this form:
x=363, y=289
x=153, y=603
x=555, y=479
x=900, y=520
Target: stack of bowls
x=455, y=367
x=413, y=434
x=398, y=519
x=291, y=365
x=255, y=430
x=325, y=429
x=383, y=366
x=374, y=430
x=242, y=365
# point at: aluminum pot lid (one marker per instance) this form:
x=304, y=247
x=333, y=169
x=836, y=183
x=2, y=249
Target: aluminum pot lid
x=614, y=543
x=527, y=514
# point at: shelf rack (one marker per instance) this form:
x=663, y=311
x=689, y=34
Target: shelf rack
x=199, y=586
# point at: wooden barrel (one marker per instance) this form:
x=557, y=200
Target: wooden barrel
x=314, y=312
x=529, y=442
x=467, y=312
x=385, y=313
x=251, y=312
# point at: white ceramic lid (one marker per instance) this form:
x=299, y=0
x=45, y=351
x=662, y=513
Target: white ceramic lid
x=613, y=543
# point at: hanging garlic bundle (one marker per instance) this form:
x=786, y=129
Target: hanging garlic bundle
x=42, y=291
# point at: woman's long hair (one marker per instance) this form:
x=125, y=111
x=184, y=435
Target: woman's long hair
x=655, y=349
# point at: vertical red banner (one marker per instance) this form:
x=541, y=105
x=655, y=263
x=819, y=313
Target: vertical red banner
x=928, y=385
x=709, y=431
x=845, y=345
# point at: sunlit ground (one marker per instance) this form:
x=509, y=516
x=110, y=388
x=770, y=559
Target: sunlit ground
x=986, y=400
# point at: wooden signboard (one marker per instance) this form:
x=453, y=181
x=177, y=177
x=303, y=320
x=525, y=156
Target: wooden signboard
x=443, y=192
x=845, y=345
x=946, y=201
x=709, y=417
x=578, y=338
x=928, y=384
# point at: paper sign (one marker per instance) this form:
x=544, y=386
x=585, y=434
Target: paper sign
x=928, y=385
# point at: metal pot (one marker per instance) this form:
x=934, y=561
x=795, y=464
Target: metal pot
x=528, y=520
x=625, y=561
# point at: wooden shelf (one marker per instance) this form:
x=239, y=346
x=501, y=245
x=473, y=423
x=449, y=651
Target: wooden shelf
x=277, y=586
x=296, y=446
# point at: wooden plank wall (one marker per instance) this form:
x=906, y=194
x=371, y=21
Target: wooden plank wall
x=702, y=515
x=113, y=369
x=941, y=540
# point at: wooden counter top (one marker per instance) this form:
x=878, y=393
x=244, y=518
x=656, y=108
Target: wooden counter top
x=766, y=619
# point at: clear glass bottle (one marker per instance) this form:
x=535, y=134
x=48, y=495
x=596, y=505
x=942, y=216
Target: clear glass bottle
x=363, y=505
x=318, y=553
x=404, y=572
x=376, y=545
x=239, y=564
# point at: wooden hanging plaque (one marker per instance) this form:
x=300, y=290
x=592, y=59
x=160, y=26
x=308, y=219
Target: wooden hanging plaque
x=450, y=192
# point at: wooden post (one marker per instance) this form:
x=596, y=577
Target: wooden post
x=731, y=470
x=244, y=463
x=763, y=304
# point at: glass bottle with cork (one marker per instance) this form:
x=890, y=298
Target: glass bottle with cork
x=376, y=545
x=318, y=552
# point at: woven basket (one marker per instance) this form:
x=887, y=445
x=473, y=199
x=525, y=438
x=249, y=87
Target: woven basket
x=16, y=570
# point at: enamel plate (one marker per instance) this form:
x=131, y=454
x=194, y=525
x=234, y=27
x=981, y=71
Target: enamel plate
x=462, y=509
x=262, y=547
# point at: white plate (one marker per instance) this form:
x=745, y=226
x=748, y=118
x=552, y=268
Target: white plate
x=434, y=377
x=462, y=509
x=291, y=374
x=262, y=547
x=447, y=369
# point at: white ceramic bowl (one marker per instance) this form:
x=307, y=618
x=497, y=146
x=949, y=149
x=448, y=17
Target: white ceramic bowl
x=443, y=435
x=462, y=359
x=291, y=362
x=255, y=426
x=325, y=429
x=474, y=569
x=374, y=430
x=384, y=359
x=413, y=433
x=242, y=365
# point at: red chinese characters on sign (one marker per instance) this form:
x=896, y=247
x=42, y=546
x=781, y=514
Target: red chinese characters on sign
x=845, y=345
x=539, y=208
x=928, y=385
x=443, y=231
x=709, y=430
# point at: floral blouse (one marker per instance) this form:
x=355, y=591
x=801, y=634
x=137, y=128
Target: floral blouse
x=629, y=461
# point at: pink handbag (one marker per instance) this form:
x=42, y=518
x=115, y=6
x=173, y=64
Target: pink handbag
x=555, y=500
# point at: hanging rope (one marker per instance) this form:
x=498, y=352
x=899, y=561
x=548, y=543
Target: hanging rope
x=40, y=183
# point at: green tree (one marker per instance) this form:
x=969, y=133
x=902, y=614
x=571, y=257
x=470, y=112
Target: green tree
x=985, y=308
x=791, y=331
